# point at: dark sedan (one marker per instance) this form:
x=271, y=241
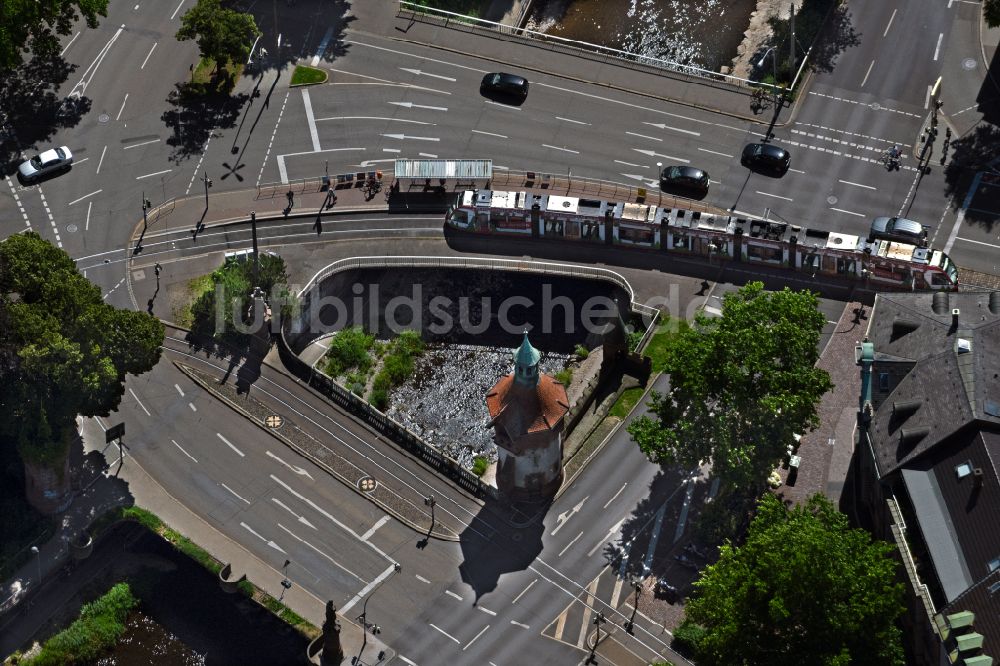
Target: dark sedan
x=766, y=157
x=684, y=180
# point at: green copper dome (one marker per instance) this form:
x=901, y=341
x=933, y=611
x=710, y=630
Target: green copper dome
x=526, y=363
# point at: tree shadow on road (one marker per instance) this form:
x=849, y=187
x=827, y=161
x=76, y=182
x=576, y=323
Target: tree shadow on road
x=827, y=29
x=31, y=111
x=195, y=112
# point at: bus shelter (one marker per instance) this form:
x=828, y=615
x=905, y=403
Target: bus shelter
x=452, y=174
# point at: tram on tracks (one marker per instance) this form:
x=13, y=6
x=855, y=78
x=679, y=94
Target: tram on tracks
x=675, y=231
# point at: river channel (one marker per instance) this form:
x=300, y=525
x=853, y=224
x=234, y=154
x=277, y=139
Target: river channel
x=703, y=33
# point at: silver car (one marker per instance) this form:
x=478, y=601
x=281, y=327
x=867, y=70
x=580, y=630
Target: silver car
x=897, y=229
x=47, y=162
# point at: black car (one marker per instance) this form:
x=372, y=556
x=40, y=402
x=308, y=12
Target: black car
x=684, y=179
x=765, y=157
x=504, y=86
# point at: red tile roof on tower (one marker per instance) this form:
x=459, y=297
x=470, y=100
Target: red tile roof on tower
x=521, y=410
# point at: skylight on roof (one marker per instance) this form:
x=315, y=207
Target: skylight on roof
x=963, y=470
x=994, y=564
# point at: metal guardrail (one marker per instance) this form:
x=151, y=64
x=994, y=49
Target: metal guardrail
x=299, y=185
x=898, y=529
x=574, y=47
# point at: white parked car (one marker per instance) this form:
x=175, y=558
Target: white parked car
x=47, y=162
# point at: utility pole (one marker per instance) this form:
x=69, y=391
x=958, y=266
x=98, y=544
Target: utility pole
x=791, y=41
x=208, y=184
x=285, y=583
x=396, y=568
x=256, y=257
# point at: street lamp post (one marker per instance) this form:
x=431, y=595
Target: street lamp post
x=637, y=584
x=38, y=559
x=430, y=501
x=774, y=63
x=396, y=568
x=285, y=583
x=208, y=184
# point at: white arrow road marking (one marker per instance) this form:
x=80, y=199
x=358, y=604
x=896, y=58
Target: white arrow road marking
x=641, y=166
x=420, y=73
x=400, y=137
x=320, y=551
x=267, y=541
x=297, y=470
x=650, y=153
x=564, y=517
x=644, y=136
x=234, y=493
x=611, y=533
x=411, y=105
x=676, y=129
x=644, y=179
x=80, y=89
x=301, y=519
x=368, y=163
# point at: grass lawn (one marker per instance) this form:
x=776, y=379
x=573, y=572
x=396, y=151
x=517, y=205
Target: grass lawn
x=660, y=342
x=205, y=78
x=626, y=401
x=307, y=75
x=195, y=288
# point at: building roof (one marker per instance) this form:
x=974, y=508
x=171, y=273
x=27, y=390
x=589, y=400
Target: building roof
x=983, y=601
x=526, y=355
x=520, y=410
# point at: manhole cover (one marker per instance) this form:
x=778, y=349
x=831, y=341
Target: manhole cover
x=876, y=106
x=969, y=63
x=516, y=536
x=367, y=484
x=71, y=228
x=831, y=200
x=273, y=421
x=103, y=118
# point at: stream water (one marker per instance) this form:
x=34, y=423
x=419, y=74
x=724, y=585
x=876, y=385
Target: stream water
x=703, y=33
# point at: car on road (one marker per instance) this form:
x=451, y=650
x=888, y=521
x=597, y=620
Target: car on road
x=765, y=157
x=504, y=86
x=684, y=179
x=44, y=163
x=898, y=229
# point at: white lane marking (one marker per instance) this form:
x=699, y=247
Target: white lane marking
x=611, y=532
x=616, y=495
x=80, y=89
x=150, y=175
x=776, y=196
x=86, y=226
x=391, y=150
x=570, y=120
x=390, y=120
x=503, y=106
x=402, y=137
x=201, y=159
x=566, y=150
x=112, y=290
x=644, y=166
x=847, y=182
x=927, y=96
x=714, y=152
x=281, y=164
x=975, y=242
x=122, y=108
x=564, y=517
x=453, y=595
x=193, y=408
x=519, y=624
x=411, y=663
x=644, y=136
x=301, y=519
x=433, y=76
x=323, y=552
x=179, y=5
x=295, y=468
x=179, y=390
x=147, y=56
x=841, y=210
x=311, y=120
x=411, y=105
x=570, y=544
x=524, y=591
x=101, y=160
x=434, y=157
x=370, y=586
x=140, y=402
x=84, y=197
x=230, y=445
x=796, y=170
x=235, y=494
x=17, y=200
x=374, y=528
x=650, y=153
x=66, y=48
x=144, y=143
x=960, y=217
x=52, y=220
x=675, y=129
x=183, y=451
x=937, y=49
x=434, y=626
x=889, y=24
x=486, y=610
x=321, y=49
x=500, y=136
x=865, y=80
x=264, y=539
x=422, y=579
x=474, y=638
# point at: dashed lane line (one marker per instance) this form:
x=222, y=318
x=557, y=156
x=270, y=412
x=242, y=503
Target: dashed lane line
x=17, y=200
x=270, y=142
x=872, y=106
x=52, y=221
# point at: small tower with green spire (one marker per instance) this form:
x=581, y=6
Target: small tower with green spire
x=527, y=409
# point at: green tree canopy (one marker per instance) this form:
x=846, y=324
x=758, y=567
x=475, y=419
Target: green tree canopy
x=741, y=385
x=222, y=34
x=63, y=350
x=36, y=24
x=804, y=588
x=991, y=12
